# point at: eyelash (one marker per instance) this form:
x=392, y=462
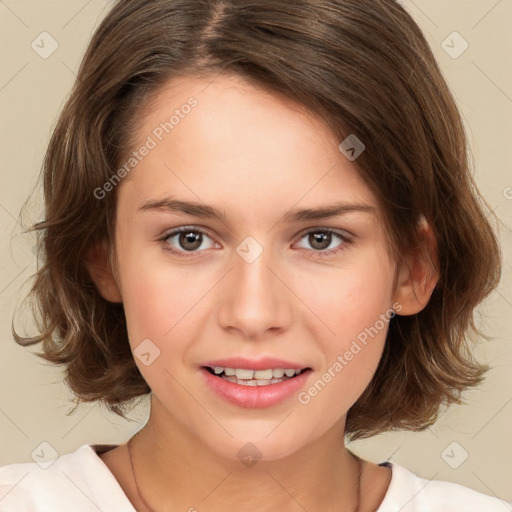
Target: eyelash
x=194, y=229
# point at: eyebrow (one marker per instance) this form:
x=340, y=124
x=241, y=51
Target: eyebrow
x=296, y=215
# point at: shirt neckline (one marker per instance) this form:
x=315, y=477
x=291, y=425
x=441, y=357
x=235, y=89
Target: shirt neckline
x=97, y=449
x=107, y=493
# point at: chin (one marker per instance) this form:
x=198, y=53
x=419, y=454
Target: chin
x=250, y=448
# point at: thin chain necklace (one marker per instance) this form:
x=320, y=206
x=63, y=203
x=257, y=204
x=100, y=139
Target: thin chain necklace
x=146, y=504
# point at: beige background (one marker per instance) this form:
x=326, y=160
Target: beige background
x=33, y=400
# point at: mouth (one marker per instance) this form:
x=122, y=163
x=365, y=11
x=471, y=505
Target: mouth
x=248, y=377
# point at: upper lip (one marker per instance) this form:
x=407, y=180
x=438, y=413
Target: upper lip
x=263, y=363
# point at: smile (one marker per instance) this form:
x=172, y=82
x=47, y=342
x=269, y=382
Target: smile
x=246, y=388
x=246, y=377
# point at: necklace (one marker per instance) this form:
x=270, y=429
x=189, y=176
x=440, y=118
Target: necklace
x=358, y=459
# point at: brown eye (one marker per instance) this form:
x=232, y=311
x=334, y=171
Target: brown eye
x=186, y=240
x=320, y=240
x=190, y=240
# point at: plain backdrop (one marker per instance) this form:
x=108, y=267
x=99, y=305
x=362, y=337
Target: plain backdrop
x=470, y=444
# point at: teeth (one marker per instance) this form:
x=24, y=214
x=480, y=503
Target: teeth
x=253, y=382
x=263, y=374
x=242, y=374
x=258, y=375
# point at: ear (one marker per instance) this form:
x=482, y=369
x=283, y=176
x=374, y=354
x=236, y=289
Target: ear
x=418, y=272
x=100, y=269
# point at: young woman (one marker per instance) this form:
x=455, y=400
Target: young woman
x=259, y=212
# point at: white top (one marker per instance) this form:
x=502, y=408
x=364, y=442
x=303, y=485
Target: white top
x=81, y=482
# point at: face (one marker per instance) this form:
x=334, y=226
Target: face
x=255, y=281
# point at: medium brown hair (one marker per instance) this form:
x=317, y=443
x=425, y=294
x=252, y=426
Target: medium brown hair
x=366, y=68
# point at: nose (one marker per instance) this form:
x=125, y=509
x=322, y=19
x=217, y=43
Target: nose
x=255, y=298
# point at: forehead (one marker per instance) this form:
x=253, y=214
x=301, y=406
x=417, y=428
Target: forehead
x=222, y=139
x=226, y=109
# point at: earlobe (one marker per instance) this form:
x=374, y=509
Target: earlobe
x=100, y=270
x=418, y=272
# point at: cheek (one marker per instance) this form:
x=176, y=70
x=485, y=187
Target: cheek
x=351, y=299
x=157, y=302
x=350, y=323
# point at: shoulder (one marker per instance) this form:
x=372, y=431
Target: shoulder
x=79, y=478
x=410, y=493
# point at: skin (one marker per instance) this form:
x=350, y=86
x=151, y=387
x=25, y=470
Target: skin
x=254, y=155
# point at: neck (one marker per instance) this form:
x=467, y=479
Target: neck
x=176, y=471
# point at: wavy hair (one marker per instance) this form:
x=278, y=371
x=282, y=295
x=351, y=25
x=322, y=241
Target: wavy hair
x=367, y=69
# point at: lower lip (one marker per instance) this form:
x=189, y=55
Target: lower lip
x=255, y=397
